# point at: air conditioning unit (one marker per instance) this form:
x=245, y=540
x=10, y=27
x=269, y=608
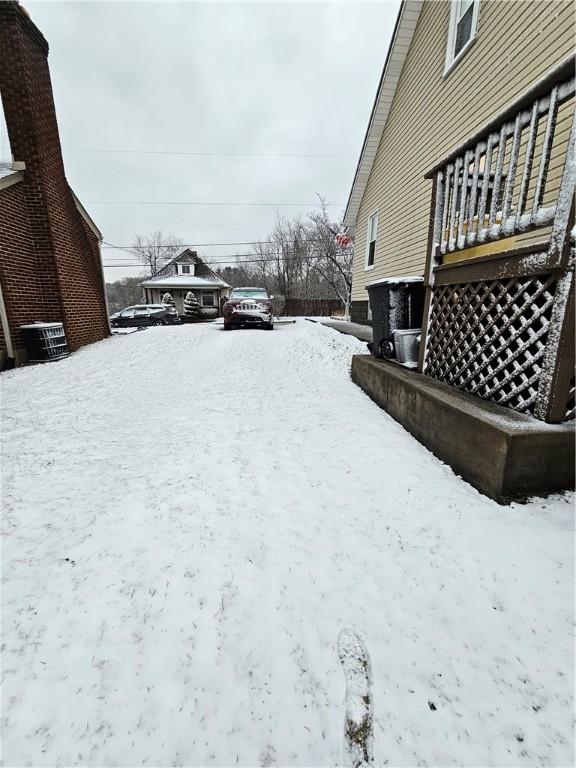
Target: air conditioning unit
x=397, y=303
x=407, y=346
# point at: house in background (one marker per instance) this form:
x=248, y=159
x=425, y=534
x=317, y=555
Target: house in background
x=466, y=178
x=187, y=272
x=50, y=266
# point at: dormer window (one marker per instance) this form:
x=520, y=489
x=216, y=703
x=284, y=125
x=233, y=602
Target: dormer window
x=185, y=269
x=463, y=23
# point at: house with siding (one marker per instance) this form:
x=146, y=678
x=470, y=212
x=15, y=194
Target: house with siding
x=466, y=179
x=187, y=272
x=50, y=265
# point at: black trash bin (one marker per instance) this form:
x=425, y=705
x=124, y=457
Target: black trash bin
x=44, y=342
x=397, y=303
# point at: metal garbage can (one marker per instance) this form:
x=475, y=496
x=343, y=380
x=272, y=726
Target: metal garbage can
x=407, y=346
x=44, y=342
x=397, y=303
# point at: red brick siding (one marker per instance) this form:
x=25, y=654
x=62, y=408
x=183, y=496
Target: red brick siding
x=66, y=253
x=19, y=271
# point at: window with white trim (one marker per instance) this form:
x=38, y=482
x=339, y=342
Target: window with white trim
x=463, y=23
x=185, y=269
x=208, y=299
x=5, y=151
x=371, y=239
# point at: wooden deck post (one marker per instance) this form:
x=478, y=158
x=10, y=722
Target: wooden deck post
x=558, y=364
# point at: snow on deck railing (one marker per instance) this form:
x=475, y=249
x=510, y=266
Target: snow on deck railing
x=480, y=195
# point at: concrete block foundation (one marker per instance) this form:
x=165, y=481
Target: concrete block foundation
x=504, y=454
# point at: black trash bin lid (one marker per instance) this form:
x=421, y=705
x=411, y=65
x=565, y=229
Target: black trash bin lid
x=396, y=281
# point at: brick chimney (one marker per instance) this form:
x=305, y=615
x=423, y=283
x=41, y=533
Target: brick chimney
x=67, y=263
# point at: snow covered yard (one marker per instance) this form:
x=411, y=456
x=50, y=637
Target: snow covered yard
x=191, y=516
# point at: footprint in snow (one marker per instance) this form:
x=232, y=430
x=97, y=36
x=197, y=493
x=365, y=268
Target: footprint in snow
x=268, y=757
x=359, y=721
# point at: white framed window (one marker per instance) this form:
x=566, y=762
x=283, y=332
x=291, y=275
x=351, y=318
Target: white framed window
x=463, y=24
x=208, y=299
x=5, y=151
x=371, y=240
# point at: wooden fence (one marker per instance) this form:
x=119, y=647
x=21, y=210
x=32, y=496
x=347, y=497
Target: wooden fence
x=312, y=307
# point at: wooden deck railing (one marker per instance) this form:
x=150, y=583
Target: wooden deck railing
x=493, y=186
x=499, y=321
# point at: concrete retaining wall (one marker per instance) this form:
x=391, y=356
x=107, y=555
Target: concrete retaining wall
x=504, y=454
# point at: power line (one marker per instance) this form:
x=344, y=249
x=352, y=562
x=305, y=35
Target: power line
x=216, y=154
x=132, y=247
x=187, y=245
x=229, y=260
x=192, y=202
x=221, y=258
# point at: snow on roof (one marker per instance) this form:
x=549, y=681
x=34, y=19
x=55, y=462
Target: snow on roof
x=6, y=170
x=9, y=174
x=183, y=281
x=401, y=39
x=42, y=325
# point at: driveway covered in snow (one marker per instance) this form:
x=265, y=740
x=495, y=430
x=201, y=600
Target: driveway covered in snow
x=191, y=516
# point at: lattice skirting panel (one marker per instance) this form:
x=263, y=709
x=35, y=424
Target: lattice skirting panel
x=489, y=337
x=571, y=404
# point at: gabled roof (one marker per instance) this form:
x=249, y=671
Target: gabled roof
x=11, y=173
x=401, y=39
x=183, y=281
x=190, y=255
x=186, y=256
x=86, y=216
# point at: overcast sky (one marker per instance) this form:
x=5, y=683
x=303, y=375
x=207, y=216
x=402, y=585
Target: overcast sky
x=264, y=78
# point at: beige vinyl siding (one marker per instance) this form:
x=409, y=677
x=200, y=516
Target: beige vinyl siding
x=516, y=43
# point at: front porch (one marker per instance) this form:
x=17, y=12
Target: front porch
x=209, y=299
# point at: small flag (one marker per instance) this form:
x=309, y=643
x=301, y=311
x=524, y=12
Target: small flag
x=343, y=240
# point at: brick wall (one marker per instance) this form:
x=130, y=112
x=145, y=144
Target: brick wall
x=66, y=253
x=19, y=269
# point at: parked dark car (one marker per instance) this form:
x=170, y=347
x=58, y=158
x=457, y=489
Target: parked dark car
x=248, y=306
x=145, y=314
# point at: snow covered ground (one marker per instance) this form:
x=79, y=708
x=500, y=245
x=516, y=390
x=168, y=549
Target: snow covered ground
x=191, y=517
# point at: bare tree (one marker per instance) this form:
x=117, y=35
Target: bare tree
x=298, y=259
x=332, y=261
x=122, y=293
x=156, y=249
x=282, y=257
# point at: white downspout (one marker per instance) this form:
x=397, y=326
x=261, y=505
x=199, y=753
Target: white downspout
x=5, y=326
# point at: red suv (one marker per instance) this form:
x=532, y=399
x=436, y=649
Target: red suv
x=248, y=306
